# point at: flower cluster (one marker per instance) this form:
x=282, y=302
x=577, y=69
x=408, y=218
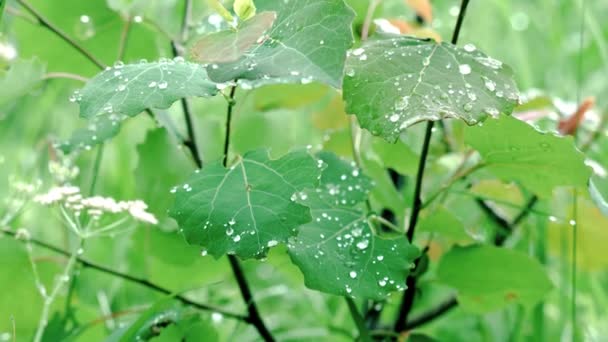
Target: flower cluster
x=71, y=198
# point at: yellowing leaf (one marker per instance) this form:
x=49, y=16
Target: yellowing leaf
x=245, y=9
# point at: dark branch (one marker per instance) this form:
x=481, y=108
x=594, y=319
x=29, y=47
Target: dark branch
x=411, y=281
x=130, y=278
x=254, y=315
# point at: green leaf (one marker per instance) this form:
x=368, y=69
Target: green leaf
x=20, y=78
x=488, y=278
x=338, y=251
x=394, y=83
x=307, y=42
x=97, y=130
x=514, y=150
x=126, y=90
x=248, y=208
x=230, y=45
x=245, y=9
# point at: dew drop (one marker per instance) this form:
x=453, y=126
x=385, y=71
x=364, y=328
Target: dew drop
x=464, y=69
x=470, y=48
x=163, y=85
x=353, y=274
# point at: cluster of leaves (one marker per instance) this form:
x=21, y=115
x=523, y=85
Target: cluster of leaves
x=314, y=205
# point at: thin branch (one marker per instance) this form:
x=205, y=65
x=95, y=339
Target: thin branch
x=130, y=278
x=45, y=23
x=228, y=124
x=409, y=295
x=368, y=18
x=124, y=37
x=65, y=75
x=190, y=141
x=432, y=314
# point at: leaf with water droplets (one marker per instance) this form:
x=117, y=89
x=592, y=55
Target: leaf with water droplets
x=394, y=83
x=248, y=208
x=338, y=251
x=131, y=88
x=230, y=45
x=307, y=42
x=488, y=278
x=513, y=150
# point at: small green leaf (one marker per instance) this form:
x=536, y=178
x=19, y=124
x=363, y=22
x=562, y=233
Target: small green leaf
x=514, y=150
x=20, y=78
x=230, y=45
x=488, y=278
x=394, y=83
x=245, y=9
x=221, y=10
x=307, y=43
x=338, y=251
x=126, y=90
x=97, y=130
x=248, y=208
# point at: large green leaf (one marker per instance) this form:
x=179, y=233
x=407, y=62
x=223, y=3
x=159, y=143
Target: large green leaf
x=126, y=90
x=514, y=150
x=248, y=208
x=394, y=83
x=488, y=278
x=308, y=42
x=230, y=45
x=338, y=251
x=20, y=78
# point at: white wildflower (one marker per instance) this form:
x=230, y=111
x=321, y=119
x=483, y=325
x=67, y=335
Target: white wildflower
x=95, y=206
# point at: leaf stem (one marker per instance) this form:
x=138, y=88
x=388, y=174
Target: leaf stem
x=408, y=297
x=124, y=37
x=50, y=298
x=130, y=278
x=359, y=321
x=43, y=21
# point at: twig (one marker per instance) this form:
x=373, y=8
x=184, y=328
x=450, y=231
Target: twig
x=124, y=37
x=409, y=295
x=65, y=75
x=368, y=18
x=44, y=22
x=130, y=278
x=190, y=141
